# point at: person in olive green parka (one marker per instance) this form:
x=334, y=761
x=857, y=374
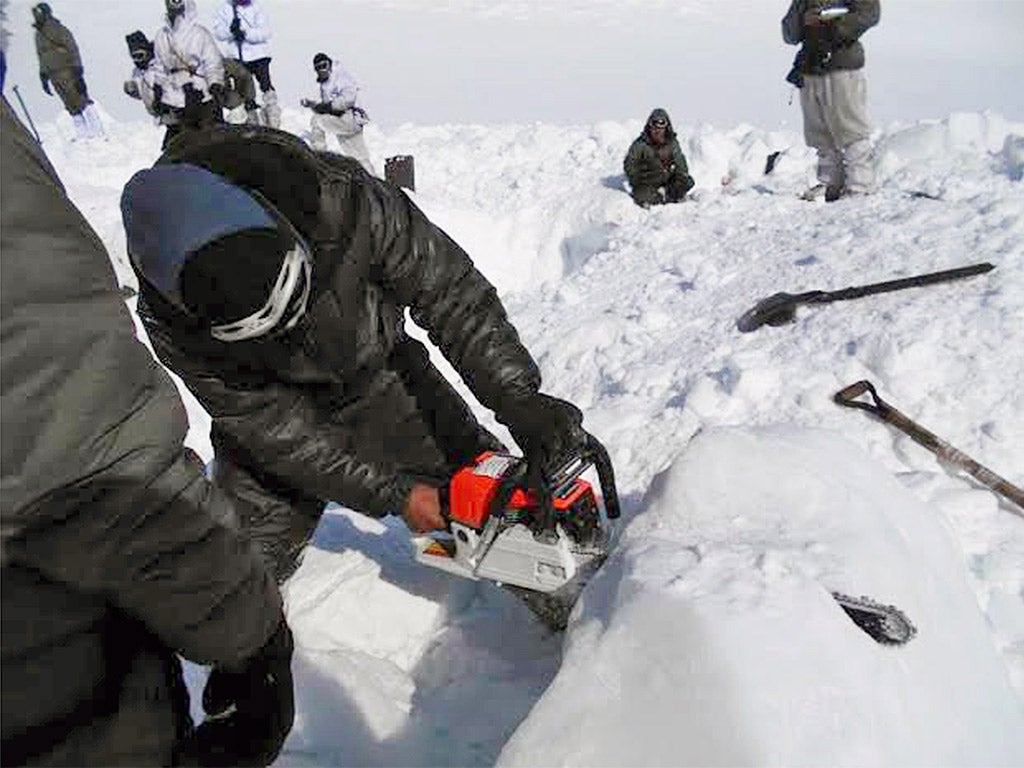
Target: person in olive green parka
x=60, y=65
x=655, y=164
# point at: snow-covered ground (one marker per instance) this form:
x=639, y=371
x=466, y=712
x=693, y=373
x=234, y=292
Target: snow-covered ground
x=709, y=636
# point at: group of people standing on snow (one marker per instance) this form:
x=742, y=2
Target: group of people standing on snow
x=828, y=70
x=275, y=279
x=189, y=75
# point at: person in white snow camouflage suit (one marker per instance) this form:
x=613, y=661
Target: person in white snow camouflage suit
x=147, y=83
x=655, y=164
x=61, y=65
x=833, y=90
x=194, y=83
x=275, y=281
x=243, y=30
x=338, y=112
x=118, y=554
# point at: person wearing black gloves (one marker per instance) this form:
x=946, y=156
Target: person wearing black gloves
x=829, y=71
x=147, y=84
x=275, y=280
x=655, y=164
x=193, y=84
x=243, y=30
x=337, y=111
x=118, y=554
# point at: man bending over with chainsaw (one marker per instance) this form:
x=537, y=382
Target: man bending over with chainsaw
x=275, y=279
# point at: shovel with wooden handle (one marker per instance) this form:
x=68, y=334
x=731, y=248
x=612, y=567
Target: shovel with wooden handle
x=881, y=409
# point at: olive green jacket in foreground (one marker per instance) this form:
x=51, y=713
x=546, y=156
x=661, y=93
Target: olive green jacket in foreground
x=116, y=552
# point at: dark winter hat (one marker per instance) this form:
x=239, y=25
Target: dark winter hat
x=321, y=58
x=137, y=41
x=171, y=212
x=232, y=277
x=41, y=11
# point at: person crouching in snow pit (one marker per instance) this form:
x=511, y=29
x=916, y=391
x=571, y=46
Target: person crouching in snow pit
x=194, y=86
x=274, y=280
x=655, y=164
x=61, y=65
x=147, y=83
x=337, y=112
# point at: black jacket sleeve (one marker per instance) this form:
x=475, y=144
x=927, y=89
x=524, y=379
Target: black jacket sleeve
x=97, y=493
x=284, y=431
x=447, y=297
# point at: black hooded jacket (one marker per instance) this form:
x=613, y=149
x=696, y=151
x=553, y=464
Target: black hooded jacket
x=292, y=406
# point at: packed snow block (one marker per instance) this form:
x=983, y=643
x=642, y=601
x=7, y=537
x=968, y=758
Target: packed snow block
x=710, y=636
x=359, y=590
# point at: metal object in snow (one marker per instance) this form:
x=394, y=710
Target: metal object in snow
x=780, y=308
x=27, y=115
x=881, y=409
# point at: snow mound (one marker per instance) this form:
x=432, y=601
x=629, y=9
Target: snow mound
x=711, y=638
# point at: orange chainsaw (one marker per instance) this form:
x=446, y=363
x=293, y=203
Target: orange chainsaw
x=540, y=535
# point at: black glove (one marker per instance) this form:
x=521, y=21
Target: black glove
x=159, y=108
x=250, y=712
x=193, y=96
x=548, y=430
x=236, y=31
x=323, y=108
x=218, y=93
x=45, y=80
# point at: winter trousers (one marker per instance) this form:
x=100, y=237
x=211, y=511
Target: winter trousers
x=280, y=520
x=836, y=124
x=70, y=86
x=676, y=188
x=348, y=127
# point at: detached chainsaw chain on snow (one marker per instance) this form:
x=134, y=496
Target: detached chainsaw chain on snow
x=886, y=624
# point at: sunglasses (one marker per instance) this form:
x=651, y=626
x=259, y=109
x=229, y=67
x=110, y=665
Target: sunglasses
x=659, y=124
x=140, y=56
x=322, y=67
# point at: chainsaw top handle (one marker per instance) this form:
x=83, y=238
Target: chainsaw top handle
x=590, y=453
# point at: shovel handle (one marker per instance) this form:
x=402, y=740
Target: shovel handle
x=847, y=396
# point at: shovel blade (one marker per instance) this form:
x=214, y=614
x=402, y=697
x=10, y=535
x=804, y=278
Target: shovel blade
x=778, y=309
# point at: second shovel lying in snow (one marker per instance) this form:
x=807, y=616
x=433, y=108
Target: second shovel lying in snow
x=780, y=308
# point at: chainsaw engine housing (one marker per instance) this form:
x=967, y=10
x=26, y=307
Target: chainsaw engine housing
x=503, y=531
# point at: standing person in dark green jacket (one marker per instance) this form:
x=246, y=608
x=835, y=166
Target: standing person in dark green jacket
x=60, y=64
x=655, y=164
x=833, y=91
x=117, y=554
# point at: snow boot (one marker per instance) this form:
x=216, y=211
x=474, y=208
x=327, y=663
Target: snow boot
x=81, y=127
x=817, y=192
x=93, y=123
